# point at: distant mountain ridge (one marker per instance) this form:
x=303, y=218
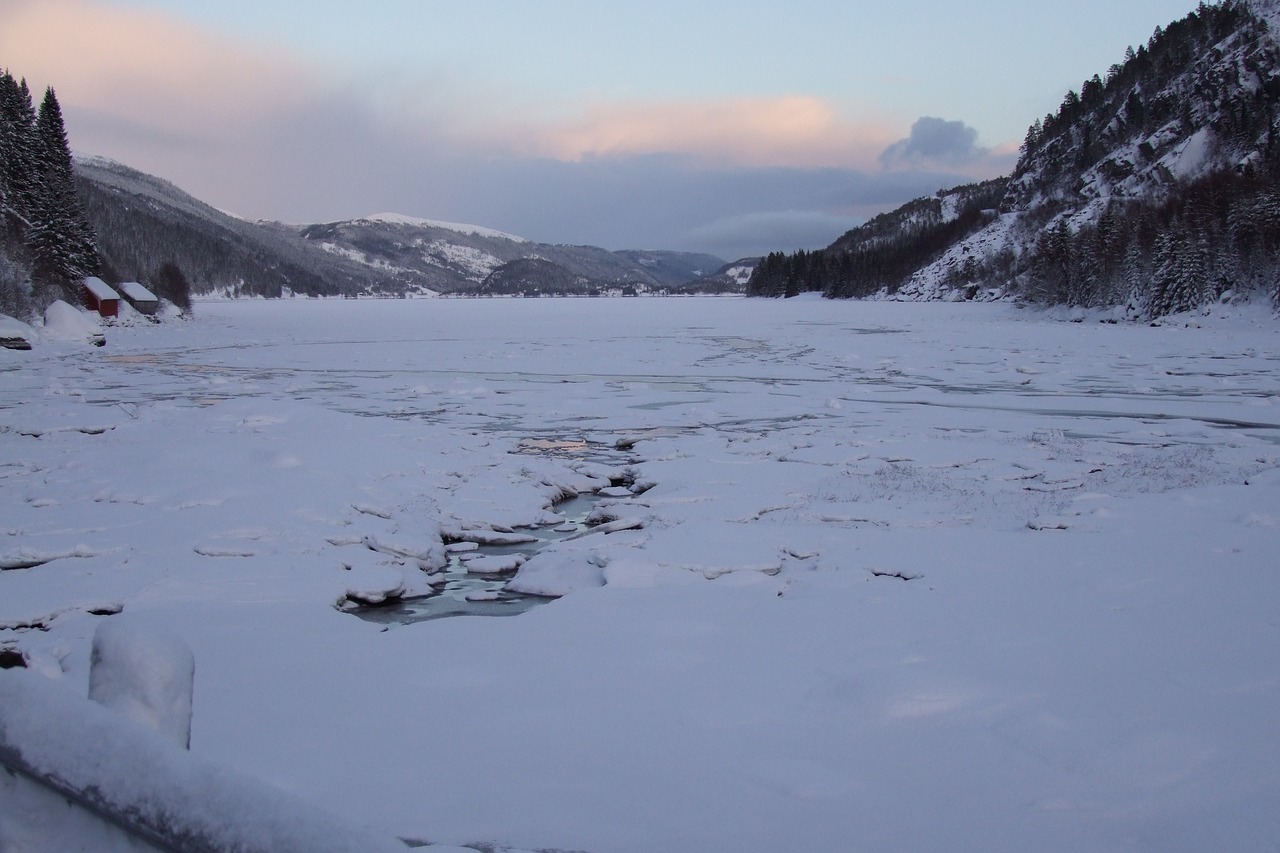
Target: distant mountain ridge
x=1156, y=187
x=424, y=255
x=401, y=219
x=143, y=221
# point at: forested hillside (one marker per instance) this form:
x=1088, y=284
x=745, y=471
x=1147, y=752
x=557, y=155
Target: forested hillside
x=881, y=254
x=145, y=224
x=1155, y=187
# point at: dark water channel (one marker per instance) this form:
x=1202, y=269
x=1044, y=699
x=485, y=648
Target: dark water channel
x=462, y=591
x=465, y=593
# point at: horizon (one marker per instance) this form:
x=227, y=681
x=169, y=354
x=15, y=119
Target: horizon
x=715, y=130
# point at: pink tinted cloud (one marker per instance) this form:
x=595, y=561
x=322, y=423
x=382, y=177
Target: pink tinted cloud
x=795, y=130
x=146, y=68
x=237, y=124
x=152, y=81
x=258, y=130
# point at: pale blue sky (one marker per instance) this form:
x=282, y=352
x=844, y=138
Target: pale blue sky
x=992, y=64
x=718, y=126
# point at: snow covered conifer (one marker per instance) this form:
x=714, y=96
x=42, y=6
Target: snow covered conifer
x=60, y=239
x=19, y=173
x=1181, y=276
x=53, y=149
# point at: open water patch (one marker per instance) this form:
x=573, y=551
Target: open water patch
x=474, y=583
x=481, y=563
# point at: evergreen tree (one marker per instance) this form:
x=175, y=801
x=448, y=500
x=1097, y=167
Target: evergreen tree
x=60, y=238
x=1032, y=140
x=171, y=283
x=1181, y=280
x=6, y=148
x=1165, y=278
x=1134, y=279
x=19, y=169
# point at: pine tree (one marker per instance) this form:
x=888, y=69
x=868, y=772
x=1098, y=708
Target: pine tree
x=6, y=147
x=1165, y=278
x=1181, y=280
x=1033, y=137
x=171, y=283
x=19, y=170
x=1134, y=278
x=1197, y=274
x=60, y=239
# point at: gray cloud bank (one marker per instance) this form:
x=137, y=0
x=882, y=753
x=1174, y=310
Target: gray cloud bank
x=939, y=143
x=266, y=135
x=311, y=164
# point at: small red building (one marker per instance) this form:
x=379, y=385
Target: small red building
x=101, y=297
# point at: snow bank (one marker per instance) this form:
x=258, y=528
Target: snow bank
x=64, y=323
x=145, y=673
x=88, y=754
x=15, y=334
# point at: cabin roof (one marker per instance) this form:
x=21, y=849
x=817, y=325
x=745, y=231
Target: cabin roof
x=99, y=288
x=136, y=292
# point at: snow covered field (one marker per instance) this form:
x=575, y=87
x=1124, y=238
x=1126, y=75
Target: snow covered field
x=907, y=577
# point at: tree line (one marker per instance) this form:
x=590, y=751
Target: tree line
x=1170, y=247
x=881, y=254
x=1216, y=235
x=1154, y=255
x=46, y=243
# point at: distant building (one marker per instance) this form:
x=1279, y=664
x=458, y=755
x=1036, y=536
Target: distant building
x=142, y=300
x=101, y=297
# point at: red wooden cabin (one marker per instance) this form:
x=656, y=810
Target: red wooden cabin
x=101, y=297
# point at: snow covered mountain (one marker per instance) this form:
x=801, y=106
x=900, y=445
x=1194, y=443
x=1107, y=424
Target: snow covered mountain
x=1156, y=186
x=424, y=254
x=730, y=278
x=143, y=221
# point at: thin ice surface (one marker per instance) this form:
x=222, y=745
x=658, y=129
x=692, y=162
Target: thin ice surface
x=908, y=576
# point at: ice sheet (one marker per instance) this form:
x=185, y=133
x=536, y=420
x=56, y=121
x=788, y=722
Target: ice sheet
x=907, y=576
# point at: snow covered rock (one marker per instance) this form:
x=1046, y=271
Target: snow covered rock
x=554, y=574
x=15, y=334
x=372, y=583
x=499, y=564
x=430, y=553
x=65, y=323
x=145, y=673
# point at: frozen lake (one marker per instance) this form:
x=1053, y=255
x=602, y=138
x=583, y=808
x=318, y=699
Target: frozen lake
x=866, y=575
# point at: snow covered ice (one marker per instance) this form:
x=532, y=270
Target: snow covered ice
x=900, y=576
